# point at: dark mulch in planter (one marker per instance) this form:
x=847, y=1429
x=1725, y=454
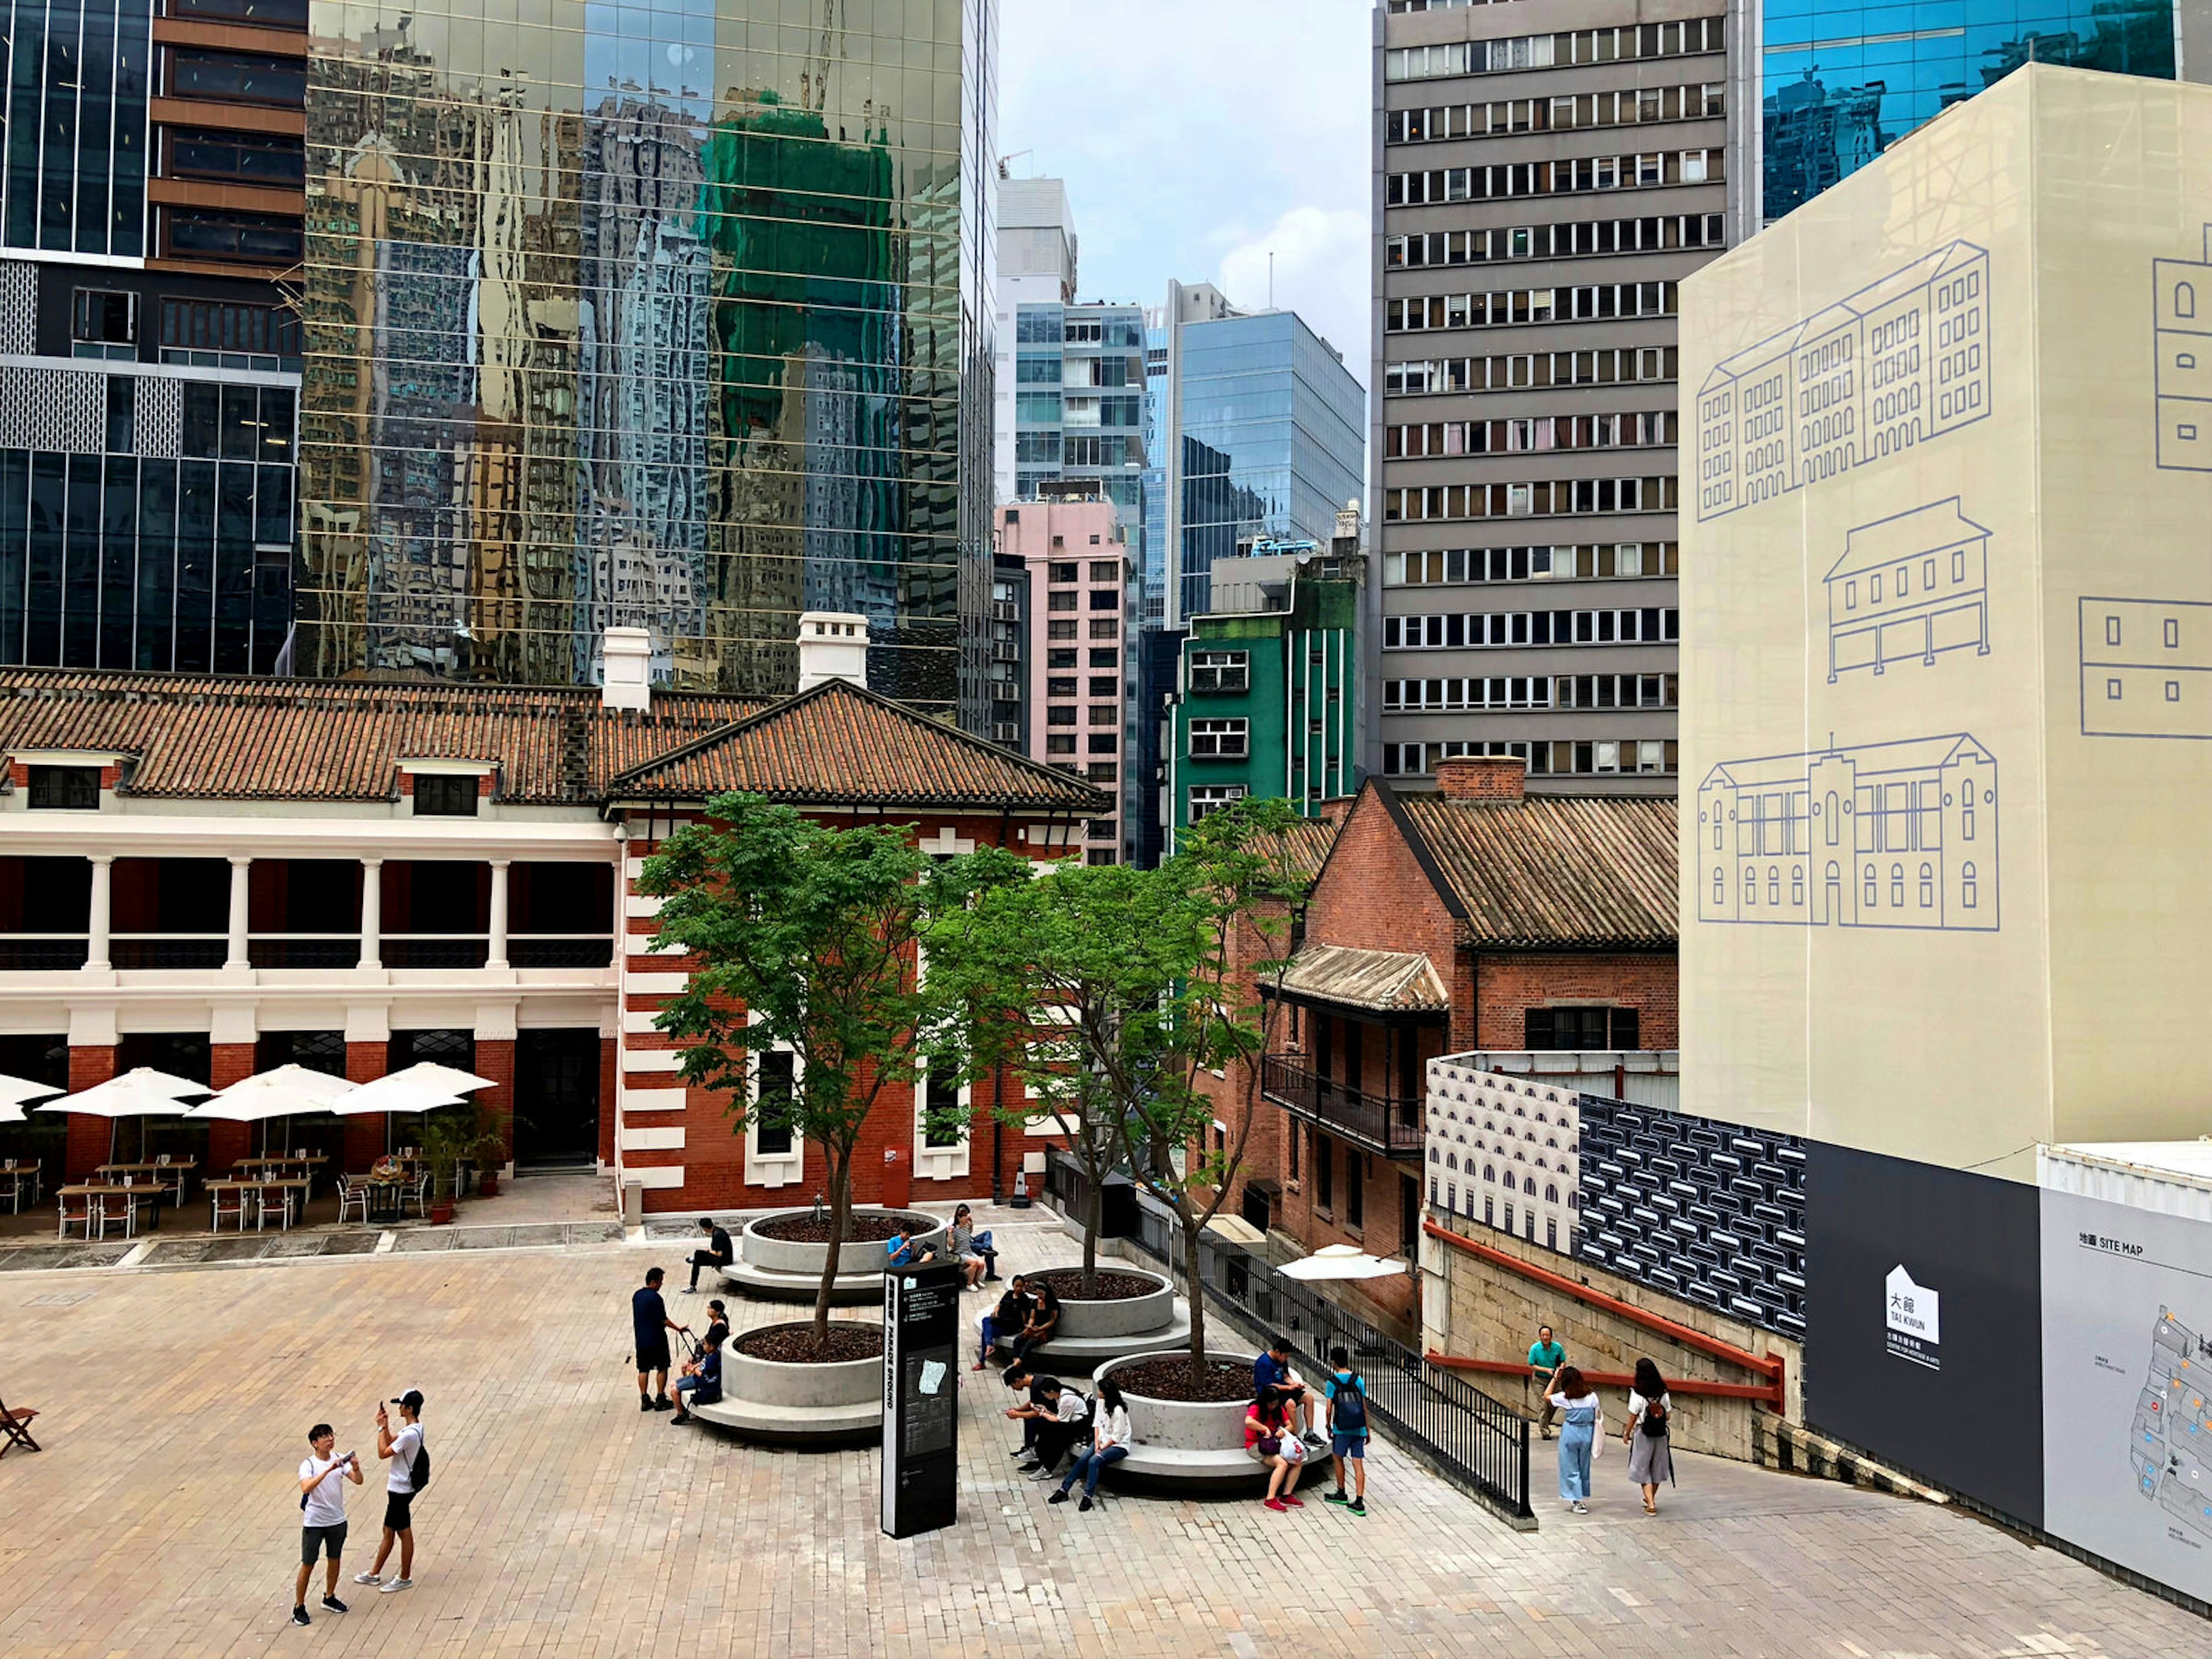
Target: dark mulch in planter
x=1169, y=1377
x=1067, y=1285
x=794, y=1345
x=862, y=1229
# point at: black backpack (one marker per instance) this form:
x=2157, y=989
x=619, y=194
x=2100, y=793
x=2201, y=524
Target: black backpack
x=418, y=1474
x=1347, y=1412
x=1655, y=1420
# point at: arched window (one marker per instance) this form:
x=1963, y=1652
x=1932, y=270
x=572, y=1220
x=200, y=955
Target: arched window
x=1871, y=888
x=1797, y=884
x=1897, y=886
x=1490, y=1172
x=1774, y=884
x=1528, y=1186
x=1750, y=885
x=1968, y=889
x=1835, y=818
x=1451, y=1160
x=1926, y=886
x=2184, y=300
x=1551, y=1194
x=1432, y=1154
x=1720, y=887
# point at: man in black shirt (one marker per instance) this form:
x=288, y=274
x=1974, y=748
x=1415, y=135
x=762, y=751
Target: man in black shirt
x=1007, y=1319
x=719, y=1253
x=650, y=1325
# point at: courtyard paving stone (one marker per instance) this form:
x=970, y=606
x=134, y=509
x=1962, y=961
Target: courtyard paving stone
x=162, y=1520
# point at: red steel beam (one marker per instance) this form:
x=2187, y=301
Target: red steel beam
x=1770, y=1392
x=1771, y=1366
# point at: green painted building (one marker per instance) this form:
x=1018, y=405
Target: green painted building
x=1267, y=698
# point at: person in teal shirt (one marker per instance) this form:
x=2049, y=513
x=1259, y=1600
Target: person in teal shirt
x=1545, y=1359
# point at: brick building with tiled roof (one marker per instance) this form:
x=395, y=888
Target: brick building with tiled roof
x=1478, y=918
x=216, y=875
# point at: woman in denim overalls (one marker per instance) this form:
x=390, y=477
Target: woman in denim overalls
x=1579, y=1428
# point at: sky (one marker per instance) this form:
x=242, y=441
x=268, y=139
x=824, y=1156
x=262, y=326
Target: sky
x=1196, y=137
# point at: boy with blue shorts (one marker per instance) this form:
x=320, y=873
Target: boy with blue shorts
x=1346, y=1393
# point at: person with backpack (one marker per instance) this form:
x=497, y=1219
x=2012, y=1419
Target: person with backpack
x=322, y=1516
x=411, y=1474
x=1345, y=1395
x=1650, y=1454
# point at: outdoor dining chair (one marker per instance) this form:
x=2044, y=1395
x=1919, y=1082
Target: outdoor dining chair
x=352, y=1195
x=113, y=1207
x=81, y=1216
x=228, y=1201
x=420, y=1192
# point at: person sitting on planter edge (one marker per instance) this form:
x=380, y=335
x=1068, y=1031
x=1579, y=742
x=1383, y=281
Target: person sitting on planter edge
x=1011, y=1314
x=1029, y=1408
x=906, y=1251
x=1068, y=1423
x=972, y=1250
x=700, y=1384
x=719, y=1253
x=1269, y=1436
x=1272, y=1370
x=1043, y=1322
x=1109, y=1444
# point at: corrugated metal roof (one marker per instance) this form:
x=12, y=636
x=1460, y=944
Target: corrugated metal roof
x=1389, y=982
x=840, y=743
x=1576, y=871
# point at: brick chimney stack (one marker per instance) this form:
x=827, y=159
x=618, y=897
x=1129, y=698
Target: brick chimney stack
x=1482, y=777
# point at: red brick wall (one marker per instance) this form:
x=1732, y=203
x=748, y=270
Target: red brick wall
x=364, y=1136
x=496, y=1059
x=228, y=1063
x=610, y=1076
x=89, y=1136
x=1509, y=986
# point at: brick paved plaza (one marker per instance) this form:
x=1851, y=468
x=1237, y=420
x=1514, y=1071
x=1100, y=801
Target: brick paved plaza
x=161, y=1518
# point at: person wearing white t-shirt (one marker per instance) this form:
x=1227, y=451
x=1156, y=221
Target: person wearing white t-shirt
x=322, y=1516
x=399, y=1490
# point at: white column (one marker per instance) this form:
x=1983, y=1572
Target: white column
x=372, y=913
x=237, y=956
x=95, y=951
x=495, y=955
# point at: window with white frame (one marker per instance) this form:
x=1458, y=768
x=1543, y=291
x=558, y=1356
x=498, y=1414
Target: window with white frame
x=1207, y=798
x=1220, y=739
x=1220, y=671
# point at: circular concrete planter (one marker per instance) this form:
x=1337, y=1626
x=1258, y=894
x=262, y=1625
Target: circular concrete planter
x=1134, y=1316
x=856, y=1258
x=785, y=1404
x=1197, y=1447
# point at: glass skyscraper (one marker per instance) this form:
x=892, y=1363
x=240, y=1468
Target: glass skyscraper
x=1843, y=81
x=1266, y=433
x=669, y=316
x=1079, y=395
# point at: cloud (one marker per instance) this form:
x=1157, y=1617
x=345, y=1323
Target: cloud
x=1194, y=138
x=1320, y=272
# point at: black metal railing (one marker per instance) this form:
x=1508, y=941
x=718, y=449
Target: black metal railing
x=1479, y=1443
x=304, y=950
x=170, y=951
x=1388, y=1124
x=561, y=950
x=43, y=952
x=434, y=950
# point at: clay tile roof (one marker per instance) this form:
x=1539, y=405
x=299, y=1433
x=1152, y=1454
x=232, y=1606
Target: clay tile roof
x=209, y=736
x=1384, y=981
x=1578, y=872
x=840, y=743
x=1310, y=841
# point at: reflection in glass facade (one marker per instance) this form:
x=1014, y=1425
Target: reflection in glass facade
x=1271, y=441
x=1844, y=81
x=75, y=181
x=657, y=321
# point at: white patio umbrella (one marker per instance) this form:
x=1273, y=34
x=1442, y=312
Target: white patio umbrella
x=140, y=1092
x=423, y=1087
x=1342, y=1261
x=16, y=1092
x=282, y=1092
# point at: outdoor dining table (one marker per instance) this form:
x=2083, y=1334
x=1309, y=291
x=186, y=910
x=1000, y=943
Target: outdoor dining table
x=260, y=1189
x=310, y=1165
x=19, y=1179
x=387, y=1195
x=181, y=1169
x=138, y=1191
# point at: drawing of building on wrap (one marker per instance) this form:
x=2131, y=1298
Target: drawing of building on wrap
x=1909, y=586
x=2146, y=668
x=1899, y=362
x=2181, y=300
x=1885, y=834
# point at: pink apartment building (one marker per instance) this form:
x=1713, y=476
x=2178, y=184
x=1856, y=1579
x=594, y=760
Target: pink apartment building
x=1078, y=558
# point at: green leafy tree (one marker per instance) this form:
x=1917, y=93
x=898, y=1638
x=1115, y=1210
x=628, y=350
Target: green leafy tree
x=806, y=936
x=1063, y=980
x=1236, y=884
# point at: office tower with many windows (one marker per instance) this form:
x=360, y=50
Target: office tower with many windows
x=1838, y=81
x=1546, y=175
x=676, y=318
x=150, y=200
x=1037, y=264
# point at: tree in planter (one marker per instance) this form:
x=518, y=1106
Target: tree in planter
x=1062, y=980
x=1234, y=883
x=806, y=936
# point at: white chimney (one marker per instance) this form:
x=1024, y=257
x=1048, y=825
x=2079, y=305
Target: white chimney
x=833, y=645
x=626, y=665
